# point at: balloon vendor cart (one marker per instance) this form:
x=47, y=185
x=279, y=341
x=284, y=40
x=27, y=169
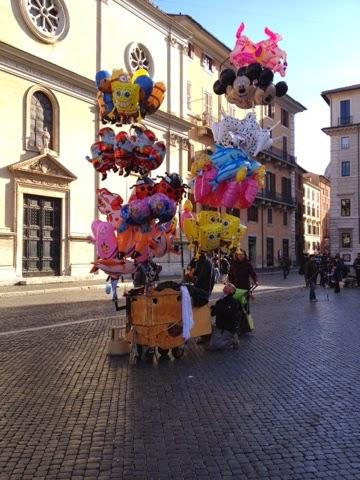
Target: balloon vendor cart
x=223, y=179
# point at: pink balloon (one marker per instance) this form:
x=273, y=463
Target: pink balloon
x=231, y=194
x=214, y=199
x=247, y=193
x=203, y=186
x=106, y=245
x=184, y=215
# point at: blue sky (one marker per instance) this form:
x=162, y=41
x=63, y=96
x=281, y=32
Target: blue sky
x=322, y=41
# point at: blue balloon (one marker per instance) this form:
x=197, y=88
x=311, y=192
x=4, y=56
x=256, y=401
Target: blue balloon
x=101, y=75
x=228, y=160
x=146, y=84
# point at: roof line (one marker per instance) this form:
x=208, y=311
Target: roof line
x=326, y=93
x=200, y=26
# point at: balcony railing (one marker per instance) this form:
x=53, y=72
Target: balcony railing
x=280, y=155
x=345, y=120
x=276, y=197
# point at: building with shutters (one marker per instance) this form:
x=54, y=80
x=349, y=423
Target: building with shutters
x=344, y=170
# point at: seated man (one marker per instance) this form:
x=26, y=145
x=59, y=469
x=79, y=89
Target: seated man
x=227, y=312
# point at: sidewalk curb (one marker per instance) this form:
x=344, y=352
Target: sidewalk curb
x=46, y=291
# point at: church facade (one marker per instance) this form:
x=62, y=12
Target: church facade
x=48, y=60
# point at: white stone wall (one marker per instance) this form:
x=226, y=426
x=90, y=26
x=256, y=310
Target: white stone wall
x=98, y=37
x=345, y=187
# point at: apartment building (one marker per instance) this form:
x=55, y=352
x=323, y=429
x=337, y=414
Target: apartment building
x=299, y=214
x=325, y=192
x=344, y=170
x=311, y=208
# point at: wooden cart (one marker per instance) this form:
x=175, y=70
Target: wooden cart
x=154, y=319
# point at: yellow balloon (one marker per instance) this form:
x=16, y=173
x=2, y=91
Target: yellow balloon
x=231, y=225
x=210, y=237
x=191, y=230
x=241, y=174
x=188, y=206
x=142, y=72
x=201, y=160
x=208, y=217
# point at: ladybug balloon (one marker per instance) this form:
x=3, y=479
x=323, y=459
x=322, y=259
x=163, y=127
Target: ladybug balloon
x=144, y=187
x=172, y=186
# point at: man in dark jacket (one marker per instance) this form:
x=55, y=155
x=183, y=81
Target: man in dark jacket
x=204, y=274
x=227, y=312
x=337, y=273
x=311, y=272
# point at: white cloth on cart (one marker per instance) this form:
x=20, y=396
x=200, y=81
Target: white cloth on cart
x=186, y=312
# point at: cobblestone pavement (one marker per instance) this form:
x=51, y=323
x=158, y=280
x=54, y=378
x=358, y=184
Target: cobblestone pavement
x=283, y=406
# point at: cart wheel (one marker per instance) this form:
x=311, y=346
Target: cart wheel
x=139, y=351
x=149, y=354
x=163, y=351
x=178, y=352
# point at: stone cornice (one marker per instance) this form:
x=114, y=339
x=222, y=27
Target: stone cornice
x=38, y=70
x=289, y=103
x=340, y=129
x=155, y=17
x=172, y=121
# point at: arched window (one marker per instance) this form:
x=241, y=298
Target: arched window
x=42, y=124
x=41, y=116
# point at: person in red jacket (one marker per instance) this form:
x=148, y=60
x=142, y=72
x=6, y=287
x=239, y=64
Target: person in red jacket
x=241, y=272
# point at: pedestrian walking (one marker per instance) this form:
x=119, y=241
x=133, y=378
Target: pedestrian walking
x=356, y=266
x=111, y=287
x=337, y=273
x=285, y=266
x=311, y=272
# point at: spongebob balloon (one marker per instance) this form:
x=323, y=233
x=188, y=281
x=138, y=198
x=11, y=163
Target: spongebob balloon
x=232, y=231
x=210, y=237
x=208, y=217
x=126, y=96
x=231, y=226
x=191, y=230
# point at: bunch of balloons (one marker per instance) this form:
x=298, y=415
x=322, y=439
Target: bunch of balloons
x=266, y=52
x=246, y=134
x=210, y=230
x=137, y=152
x=251, y=80
x=143, y=228
x=123, y=98
x=226, y=178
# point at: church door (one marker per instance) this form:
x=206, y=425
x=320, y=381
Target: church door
x=41, y=235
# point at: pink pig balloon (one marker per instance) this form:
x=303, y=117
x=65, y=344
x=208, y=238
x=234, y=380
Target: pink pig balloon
x=105, y=240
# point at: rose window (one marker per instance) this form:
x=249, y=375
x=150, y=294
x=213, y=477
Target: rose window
x=47, y=19
x=138, y=56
